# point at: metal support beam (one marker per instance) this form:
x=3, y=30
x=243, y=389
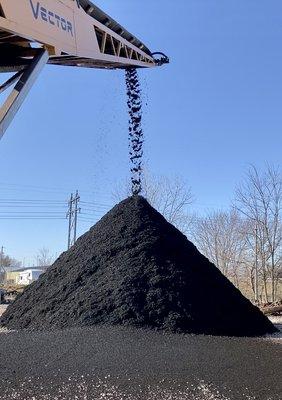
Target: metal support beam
x=27, y=77
x=10, y=81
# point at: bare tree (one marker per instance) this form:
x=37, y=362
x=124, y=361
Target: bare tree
x=220, y=237
x=7, y=263
x=170, y=196
x=259, y=199
x=44, y=258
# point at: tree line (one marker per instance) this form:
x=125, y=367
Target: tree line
x=245, y=242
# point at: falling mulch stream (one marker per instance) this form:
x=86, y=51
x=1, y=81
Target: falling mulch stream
x=136, y=138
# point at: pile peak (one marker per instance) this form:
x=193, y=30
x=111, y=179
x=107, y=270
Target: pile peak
x=134, y=268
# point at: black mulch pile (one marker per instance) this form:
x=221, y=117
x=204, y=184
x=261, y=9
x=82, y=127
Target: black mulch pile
x=134, y=268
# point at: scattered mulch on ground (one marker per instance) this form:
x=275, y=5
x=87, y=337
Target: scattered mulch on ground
x=134, y=268
x=118, y=363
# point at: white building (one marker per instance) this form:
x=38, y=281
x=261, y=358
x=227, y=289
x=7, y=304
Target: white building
x=29, y=275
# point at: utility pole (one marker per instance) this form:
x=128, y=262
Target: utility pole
x=256, y=264
x=72, y=214
x=2, y=269
x=76, y=212
x=69, y=216
x=1, y=256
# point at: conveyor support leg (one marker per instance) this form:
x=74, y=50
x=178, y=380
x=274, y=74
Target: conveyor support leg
x=25, y=80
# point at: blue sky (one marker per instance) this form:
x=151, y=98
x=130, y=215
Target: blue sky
x=212, y=111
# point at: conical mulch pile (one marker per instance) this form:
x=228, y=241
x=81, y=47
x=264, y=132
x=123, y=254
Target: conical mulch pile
x=134, y=268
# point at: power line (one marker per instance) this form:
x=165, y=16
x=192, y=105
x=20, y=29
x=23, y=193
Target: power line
x=17, y=209
x=30, y=212
x=31, y=218
x=32, y=201
x=46, y=189
x=30, y=206
x=92, y=214
x=96, y=204
x=87, y=218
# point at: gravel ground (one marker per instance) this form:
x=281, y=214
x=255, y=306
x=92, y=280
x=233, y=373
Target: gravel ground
x=128, y=364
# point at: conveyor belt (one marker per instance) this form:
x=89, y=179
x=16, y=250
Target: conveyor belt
x=109, y=22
